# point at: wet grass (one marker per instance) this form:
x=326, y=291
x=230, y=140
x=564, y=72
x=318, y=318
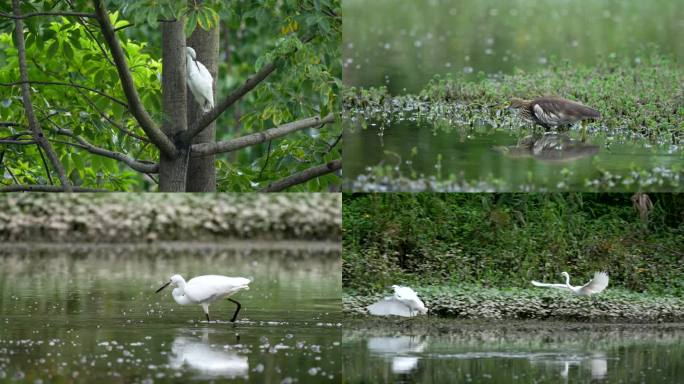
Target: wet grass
x=641, y=102
x=641, y=98
x=472, y=302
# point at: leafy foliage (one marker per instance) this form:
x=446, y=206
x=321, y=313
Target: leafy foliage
x=71, y=50
x=507, y=240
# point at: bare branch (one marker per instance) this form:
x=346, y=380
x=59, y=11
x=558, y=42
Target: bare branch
x=134, y=164
x=28, y=106
x=45, y=188
x=304, y=176
x=259, y=137
x=26, y=16
x=17, y=142
x=10, y=124
x=214, y=113
x=112, y=98
x=135, y=105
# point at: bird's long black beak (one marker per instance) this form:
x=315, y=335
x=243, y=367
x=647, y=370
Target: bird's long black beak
x=162, y=287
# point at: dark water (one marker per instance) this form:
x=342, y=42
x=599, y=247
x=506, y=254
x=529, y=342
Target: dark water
x=403, y=44
x=90, y=314
x=486, y=157
x=539, y=353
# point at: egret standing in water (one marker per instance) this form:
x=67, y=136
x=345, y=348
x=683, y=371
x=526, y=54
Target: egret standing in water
x=199, y=80
x=404, y=302
x=204, y=290
x=595, y=285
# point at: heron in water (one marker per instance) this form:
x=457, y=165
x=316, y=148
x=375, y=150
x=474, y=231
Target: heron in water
x=206, y=289
x=595, y=285
x=199, y=80
x=550, y=112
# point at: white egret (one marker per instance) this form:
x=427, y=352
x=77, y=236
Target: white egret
x=199, y=80
x=596, y=285
x=404, y=302
x=204, y=290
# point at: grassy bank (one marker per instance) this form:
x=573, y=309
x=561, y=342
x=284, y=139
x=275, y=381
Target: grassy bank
x=470, y=302
x=506, y=240
x=168, y=217
x=640, y=99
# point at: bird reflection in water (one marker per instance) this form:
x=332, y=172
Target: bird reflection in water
x=551, y=146
x=597, y=364
x=398, y=351
x=209, y=360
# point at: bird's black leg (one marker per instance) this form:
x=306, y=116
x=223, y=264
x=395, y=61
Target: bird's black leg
x=236, y=310
x=207, y=315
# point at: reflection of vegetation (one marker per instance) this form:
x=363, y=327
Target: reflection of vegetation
x=135, y=218
x=507, y=240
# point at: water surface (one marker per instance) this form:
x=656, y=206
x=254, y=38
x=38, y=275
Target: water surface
x=486, y=157
x=515, y=353
x=89, y=313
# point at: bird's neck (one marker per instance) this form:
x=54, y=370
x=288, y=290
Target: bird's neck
x=179, y=296
x=567, y=281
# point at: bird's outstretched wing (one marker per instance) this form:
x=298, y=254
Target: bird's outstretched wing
x=596, y=285
x=547, y=285
x=405, y=293
x=389, y=306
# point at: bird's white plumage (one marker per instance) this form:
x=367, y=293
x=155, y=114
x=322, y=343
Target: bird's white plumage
x=389, y=306
x=204, y=290
x=199, y=80
x=595, y=285
x=208, y=288
x=405, y=302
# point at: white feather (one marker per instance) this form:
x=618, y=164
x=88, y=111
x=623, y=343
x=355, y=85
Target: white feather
x=199, y=80
x=595, y=285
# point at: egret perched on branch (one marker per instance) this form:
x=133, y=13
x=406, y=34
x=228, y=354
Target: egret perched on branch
x=199, y=80
x=204, y=290
x=596, y=285
x=404, y=302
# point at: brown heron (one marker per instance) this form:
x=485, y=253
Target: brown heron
x=551, y=111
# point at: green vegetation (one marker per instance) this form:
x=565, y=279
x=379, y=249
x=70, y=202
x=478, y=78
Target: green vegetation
x=505, y=240
x=473, y=302
x=643, y=99
x=91, y=123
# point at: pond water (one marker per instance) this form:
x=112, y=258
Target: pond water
x=515, y=353
x=486, y=158
x=403, y=44
x=89, y=314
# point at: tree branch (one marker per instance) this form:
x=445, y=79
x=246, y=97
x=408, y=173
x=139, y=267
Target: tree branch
x=45, y=188
x=112, y=98
x=135, y=105
x=25, y=16
x=134, y=164
x=112, y=122
x=28, y=106
x=259, y=137
x=214, y=113
x=303, y=176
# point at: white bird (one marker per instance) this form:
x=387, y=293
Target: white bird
x=404, y=302
x=199, y=80
x=204, y=290
x=596, y=285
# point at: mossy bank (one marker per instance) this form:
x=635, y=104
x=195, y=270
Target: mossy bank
x=521, y=304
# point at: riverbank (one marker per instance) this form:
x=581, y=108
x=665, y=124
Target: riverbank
x=119, y=218
x=529, y=304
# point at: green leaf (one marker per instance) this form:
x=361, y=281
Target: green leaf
x=68, y=51
x=53, y=48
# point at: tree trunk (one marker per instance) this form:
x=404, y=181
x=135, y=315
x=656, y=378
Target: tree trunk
x=202, y=170
x=172, y=171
